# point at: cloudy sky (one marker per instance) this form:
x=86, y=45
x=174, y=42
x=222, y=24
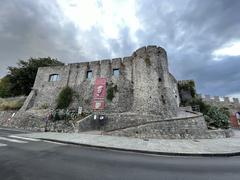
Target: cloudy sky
x=202, y=37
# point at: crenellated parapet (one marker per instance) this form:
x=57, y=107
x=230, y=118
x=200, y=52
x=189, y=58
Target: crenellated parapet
x=142, y=82
x=219, y=99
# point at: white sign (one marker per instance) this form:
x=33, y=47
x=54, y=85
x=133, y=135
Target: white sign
x=79, y=110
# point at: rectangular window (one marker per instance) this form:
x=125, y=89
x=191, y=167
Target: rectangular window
x=54, y=77
x=116, y=72
x=89, y=74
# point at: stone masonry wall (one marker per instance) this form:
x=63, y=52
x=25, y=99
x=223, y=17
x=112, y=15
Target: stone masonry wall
x=144, y=84
x=177, y=128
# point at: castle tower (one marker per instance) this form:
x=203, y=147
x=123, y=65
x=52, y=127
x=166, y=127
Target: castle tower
x=153, y=89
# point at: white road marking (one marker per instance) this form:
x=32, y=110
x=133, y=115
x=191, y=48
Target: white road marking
x=12, y=140
x=24, y=138
x=16, y=130
x=54, y=142
x=2, y=145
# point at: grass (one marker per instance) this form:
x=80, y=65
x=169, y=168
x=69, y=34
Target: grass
x=11, y=103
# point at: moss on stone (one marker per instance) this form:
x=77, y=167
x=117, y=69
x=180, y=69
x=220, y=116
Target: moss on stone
x=111, y=91
x=147, y=61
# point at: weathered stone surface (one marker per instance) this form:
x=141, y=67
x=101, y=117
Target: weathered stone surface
x=145, y=102
x=143, y=86
x=179, y=128
x=5, y=118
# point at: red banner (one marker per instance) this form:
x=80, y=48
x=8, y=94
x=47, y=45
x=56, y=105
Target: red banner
x=99, y=93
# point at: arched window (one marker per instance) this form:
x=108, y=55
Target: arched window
x=54, y=77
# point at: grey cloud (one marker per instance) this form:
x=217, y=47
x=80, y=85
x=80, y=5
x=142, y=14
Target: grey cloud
x=33, y=29
x=190, y=31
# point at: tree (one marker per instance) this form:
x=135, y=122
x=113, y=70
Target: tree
x=217, y=117
x=5, y=86
x=22, y=77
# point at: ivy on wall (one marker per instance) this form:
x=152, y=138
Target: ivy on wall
x=64, y=98
x=111, y=91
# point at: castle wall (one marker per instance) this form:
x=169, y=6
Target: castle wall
x=45, y=90
x=233, y=104
x=153, y=92
x=144, y=84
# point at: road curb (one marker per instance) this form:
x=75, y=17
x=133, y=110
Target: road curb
x=148, y=152
x=16, y=130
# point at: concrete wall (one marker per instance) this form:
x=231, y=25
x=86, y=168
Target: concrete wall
x=144, y=85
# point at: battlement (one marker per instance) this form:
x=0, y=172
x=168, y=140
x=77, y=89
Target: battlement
x=103, y=61
x=139, y=52
x=219, y=99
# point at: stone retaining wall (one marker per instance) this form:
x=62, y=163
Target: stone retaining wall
x=5, y=118
x=152, y=126
x=190, y=127
x=128, y=120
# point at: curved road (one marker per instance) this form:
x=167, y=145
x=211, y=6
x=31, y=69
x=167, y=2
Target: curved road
x=27, y=159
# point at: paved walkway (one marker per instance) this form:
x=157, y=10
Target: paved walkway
x=227, y=146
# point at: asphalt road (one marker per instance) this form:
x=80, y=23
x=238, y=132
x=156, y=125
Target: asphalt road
x=24, y=159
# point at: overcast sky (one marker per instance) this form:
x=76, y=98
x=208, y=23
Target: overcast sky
x=201, y=37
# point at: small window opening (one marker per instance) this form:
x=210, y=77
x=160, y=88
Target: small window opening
x=159, y=79
x=116, y=72
x=89, y=74
x=163, y=100
x=54, y=77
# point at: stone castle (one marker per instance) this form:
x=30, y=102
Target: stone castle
x=144, y=98
x=142, y=83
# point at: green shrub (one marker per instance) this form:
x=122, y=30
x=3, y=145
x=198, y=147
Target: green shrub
x=111, y=90
x=65, y=98
x=214, y=116
x=217, y=117
x=204, y=108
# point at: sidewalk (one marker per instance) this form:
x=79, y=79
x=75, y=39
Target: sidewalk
x=199, y=147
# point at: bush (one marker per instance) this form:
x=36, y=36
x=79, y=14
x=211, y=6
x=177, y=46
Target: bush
x=65, y=98
x=111, y=90
x=204, y=108
x=5, y=86
x=217, y=117
x=214, y=116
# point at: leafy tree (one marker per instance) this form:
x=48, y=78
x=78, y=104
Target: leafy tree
x=5, y=86
x=22, y=77
x=214, y=116
x=217, y=117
